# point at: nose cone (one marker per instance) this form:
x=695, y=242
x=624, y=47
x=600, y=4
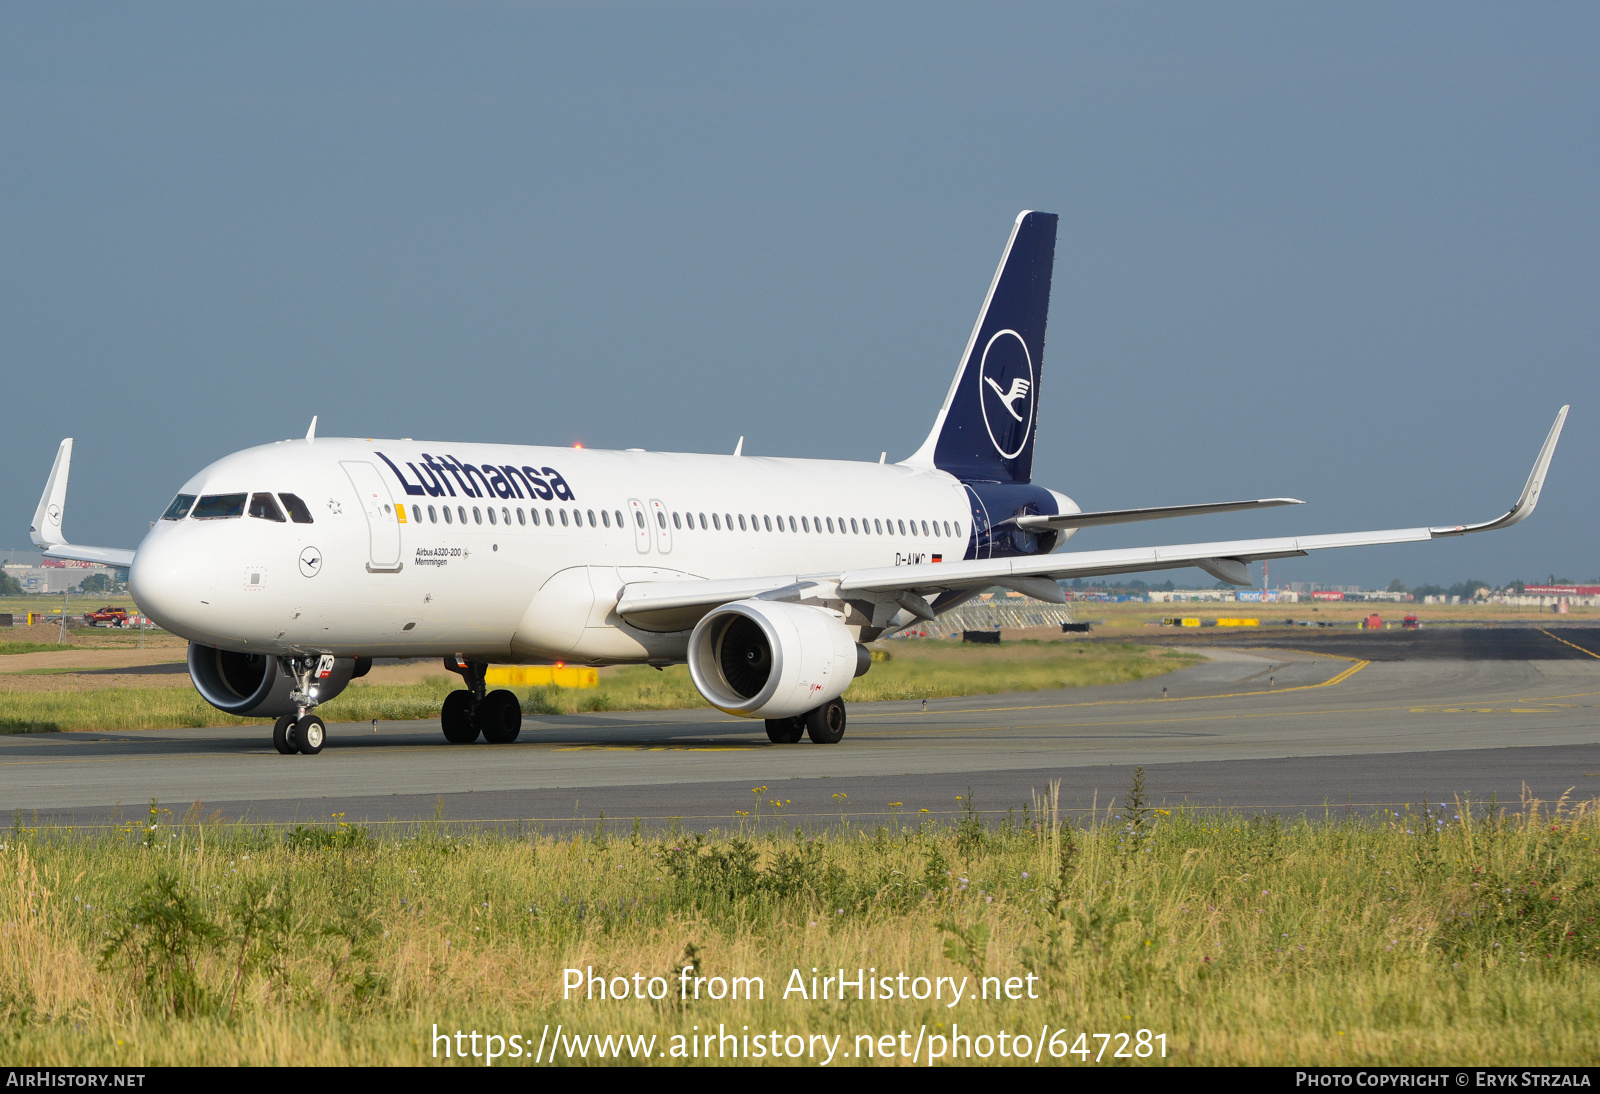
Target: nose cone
x=173, y=582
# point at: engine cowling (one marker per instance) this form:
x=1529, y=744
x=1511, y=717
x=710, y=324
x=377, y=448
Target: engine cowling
x=254, y=685
x=761, y=659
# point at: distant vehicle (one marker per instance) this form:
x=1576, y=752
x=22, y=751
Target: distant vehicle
x=107, y=617
x=1374, y=622
x=1411, y=623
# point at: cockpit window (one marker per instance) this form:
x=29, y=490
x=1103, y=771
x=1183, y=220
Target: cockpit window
x=297, y=508
x=262, y=505
x=179, y=507
x=219, y=506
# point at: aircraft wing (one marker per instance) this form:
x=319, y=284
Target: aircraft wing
x=118, y=557
x=1064, y=521
x=46, y=528
x=917, y=588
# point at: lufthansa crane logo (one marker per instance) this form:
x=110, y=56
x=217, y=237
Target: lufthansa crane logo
x=1006, y=392
x=311, y=562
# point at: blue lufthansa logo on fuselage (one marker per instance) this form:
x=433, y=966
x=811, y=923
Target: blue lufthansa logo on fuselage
x=1006, y=383
x=440, y=477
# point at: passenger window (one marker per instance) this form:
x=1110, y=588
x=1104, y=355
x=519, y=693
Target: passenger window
x=702, y=522
x=219, y=506
x=878, y=526
x=505, y=516
x=793, y=527
x=741, y=522
x=477, y=517
x=605, y=518
x=179, y=507
x=676, y=521
x=830, y=526
x=903, y=527
x=727, y=518
x=853, y=526
x=461, y=512
x=769, y=523
x=262, y=506
x=592, y=524
x=298, y=511
x=534, y=513
x=925, y=528
x=491, y=515
x=716, y=522
x=947, y=530
x=661, y=518
x=805, y=525
x=958, y=529
x=618, y=514
x=755, y=523
x=550, y=518
x=447, y=514
x=521, y=520
x=416, y=514
x=563, y=513
x=433, y=515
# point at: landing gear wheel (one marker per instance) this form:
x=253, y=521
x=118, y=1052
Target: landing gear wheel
x=283, y=736
x=310, y=734
x=785, y=731
x=457, y=718
x=825, y=725
x=499, y=716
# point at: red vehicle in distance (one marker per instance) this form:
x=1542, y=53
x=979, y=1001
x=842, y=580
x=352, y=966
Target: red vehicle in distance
x=107, y=617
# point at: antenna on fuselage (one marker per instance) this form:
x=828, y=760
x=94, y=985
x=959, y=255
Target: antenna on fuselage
x=738, y=449
x=311, y=434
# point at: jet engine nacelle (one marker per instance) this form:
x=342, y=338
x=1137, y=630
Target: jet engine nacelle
x=761, y=659
x=255, y=685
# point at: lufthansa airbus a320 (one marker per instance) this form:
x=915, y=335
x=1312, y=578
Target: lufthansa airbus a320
x=289, y=566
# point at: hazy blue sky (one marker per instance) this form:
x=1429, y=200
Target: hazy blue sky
x=1346, y=253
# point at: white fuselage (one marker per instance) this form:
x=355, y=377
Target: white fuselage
x=513, y=577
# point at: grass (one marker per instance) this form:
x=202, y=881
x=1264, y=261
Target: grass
x=1459, y=936
x=921, y=670
x=32, y=647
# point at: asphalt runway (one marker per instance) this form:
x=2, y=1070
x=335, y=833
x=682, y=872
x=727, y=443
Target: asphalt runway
x=1256, y=730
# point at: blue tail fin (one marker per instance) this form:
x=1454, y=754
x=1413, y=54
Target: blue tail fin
x=985, y=430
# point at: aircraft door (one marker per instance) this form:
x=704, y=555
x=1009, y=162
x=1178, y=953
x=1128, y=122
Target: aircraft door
x=641, y=526
x=663, y=523
x=383, y=526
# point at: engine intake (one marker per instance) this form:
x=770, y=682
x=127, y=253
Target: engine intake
x=761, y=659
x=254, y=685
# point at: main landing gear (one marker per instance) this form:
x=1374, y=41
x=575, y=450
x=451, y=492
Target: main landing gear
x=495, y=714
x=824, y=725
x=302, y=732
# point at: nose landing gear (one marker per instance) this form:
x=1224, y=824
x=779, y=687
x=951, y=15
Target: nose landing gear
x=302, y=731
x=467, y=713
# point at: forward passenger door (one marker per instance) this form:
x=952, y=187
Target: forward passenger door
x=641, y=531
x=383, y=527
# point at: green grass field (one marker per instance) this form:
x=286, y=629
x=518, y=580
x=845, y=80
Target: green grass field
x=921, y=670
x=1459, y=937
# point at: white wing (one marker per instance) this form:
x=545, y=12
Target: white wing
x=913, y=587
